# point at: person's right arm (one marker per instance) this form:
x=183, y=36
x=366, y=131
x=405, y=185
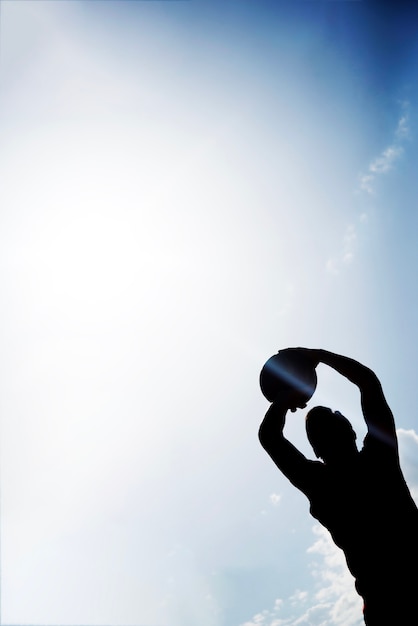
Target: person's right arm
x=294, y=465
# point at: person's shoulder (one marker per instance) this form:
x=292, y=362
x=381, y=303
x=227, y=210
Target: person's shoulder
x=375, y=445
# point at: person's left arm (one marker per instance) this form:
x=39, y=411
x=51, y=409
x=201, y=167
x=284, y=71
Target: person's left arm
x=376, y=411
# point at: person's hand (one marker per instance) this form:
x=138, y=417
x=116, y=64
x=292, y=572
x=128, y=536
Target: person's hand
x=290, y=399
x=310, y=354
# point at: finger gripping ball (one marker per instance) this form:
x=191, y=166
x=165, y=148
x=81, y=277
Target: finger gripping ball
x=288, y=371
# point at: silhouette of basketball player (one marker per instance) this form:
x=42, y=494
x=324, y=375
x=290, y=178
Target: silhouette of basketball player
x=361, y=497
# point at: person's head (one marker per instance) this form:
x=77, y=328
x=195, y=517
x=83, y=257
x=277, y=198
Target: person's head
x=330, y=434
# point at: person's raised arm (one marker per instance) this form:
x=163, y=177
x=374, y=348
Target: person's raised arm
x=376, y=412
x=288, y=459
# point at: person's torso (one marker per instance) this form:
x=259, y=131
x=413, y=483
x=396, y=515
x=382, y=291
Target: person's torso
x=368, y=509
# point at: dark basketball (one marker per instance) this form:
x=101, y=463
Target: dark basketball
x=288, y=370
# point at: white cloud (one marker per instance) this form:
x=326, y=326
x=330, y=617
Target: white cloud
x=346, y=255
x=408, y=450
x=409, y=435
x=403, y=129
x=379, y=166
x=315, y=616
x=385, y=161
x=335, y=581
x=388, y=157
x=275, y=498
x=258, y=620
x=366, y=181
x=299, y=596
x=333, y=600
x=350, y=238
x=331, y=266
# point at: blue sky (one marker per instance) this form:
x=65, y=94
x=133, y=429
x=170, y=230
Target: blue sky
x=186, y=188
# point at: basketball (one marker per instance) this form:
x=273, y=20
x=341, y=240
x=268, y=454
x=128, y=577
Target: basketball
x=288, y=370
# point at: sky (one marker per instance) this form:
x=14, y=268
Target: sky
x=187, y=187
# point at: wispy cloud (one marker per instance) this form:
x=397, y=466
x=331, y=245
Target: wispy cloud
x=333, y=600
x=408, y=450
x=403, y=130
x=336, y=584
x=348, y=247
x=388, y=157
x=275, y=498
x=379, y=166
x=299, y=596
